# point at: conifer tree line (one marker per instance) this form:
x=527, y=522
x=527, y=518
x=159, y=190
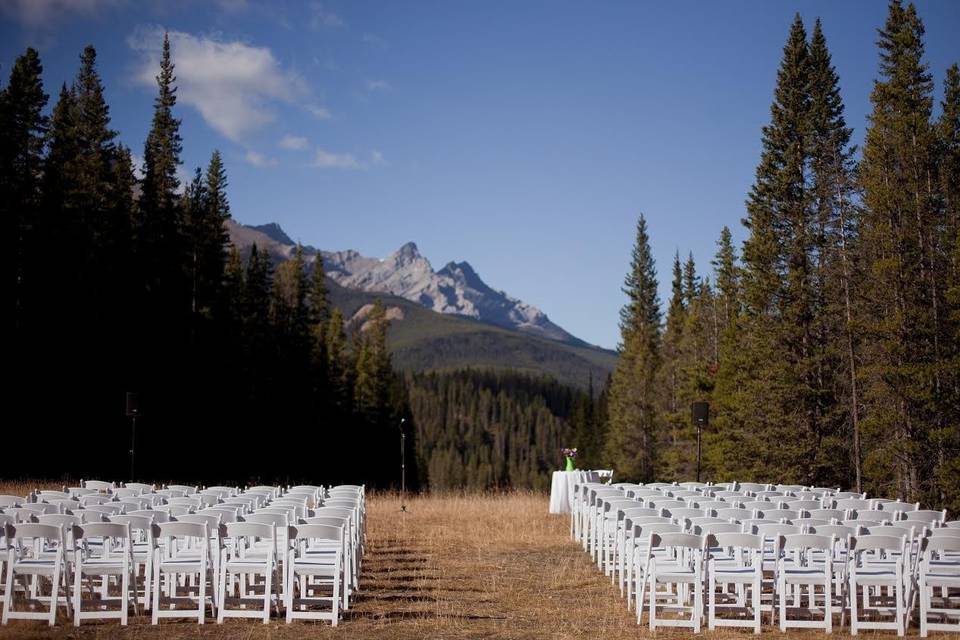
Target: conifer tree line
x=122, y=283
x=829, y=345
x=482, y=429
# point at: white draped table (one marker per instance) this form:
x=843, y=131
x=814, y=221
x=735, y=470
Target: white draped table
x=561, y=489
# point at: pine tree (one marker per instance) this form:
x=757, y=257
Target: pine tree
x=23, y=128
x=161, y=244
x=670, y=449
x=781, y=425
x=835, y=337
x=338, y=365
x=632, y=398
x=373, y=369
x=903, y=315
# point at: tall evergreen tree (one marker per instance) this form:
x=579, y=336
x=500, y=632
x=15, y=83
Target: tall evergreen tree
x=782, y=424
x=160, y=225
x=835, y=336
x=631, y=445
x=903, y=314
x=23, y=128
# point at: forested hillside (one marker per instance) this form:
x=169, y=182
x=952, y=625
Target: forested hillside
x=490, y=429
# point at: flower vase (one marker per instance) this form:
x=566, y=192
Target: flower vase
x=569, y=464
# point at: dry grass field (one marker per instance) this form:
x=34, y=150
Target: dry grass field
x=455, y=566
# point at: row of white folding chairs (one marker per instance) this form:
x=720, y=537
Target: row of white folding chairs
x=871, y=581
x=350, y=519
x=583, y=518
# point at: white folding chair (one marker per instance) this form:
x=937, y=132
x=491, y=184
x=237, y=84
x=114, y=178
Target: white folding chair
x=314, y=561
x=679, y=571
x=742, y=568
x=252, y=552
x=878, y=562
x=182, y=549
x=111, y=556
x=939, y=568
x=795, y=568
x=25, y=560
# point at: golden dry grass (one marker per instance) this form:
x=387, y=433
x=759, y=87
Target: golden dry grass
x=453, y=566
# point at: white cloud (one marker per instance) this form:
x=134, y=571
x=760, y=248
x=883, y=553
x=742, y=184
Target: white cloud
x=376, y=157
x=259, y=160
x=375, y=41
x=327, y=160
x=231, y=84
x=40, y=13
x=293, y=143
x=377, y=85
x=320, y=17
x=318, y=112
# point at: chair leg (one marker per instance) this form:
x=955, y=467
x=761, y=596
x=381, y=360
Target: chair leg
x=711, y=601
x=154, y=618
x=54, y=595
x=783, y=607
x=757, y=613
x=77, y=586
x=828, y=602
x=267, y=594
x=222, y=593
x=854, y=616
x=124, y=598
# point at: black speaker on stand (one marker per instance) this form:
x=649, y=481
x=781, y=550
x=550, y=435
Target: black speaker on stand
x=701, y=418
x=132, y=411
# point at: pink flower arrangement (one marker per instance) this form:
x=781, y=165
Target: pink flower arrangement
x=569, y=453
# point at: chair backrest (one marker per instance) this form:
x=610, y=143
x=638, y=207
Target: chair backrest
x=226, y=515
x=19, y=514
x=126, y=492
x=726, y=540
x=47, y=495
x=102, y=530
x=807, y=541
x=734, y=514
x=273, y=519
x=135, y=522
x=110, y=509
x=98, y=485
x=925, y=515
x=889, y=530
x=827, y=514
x=853, y=503
x=945, y=532
x=315, y=532
x=685, y=512
x=140, y=486
x=838, y=531
x=59, y=519
x=872, y=542
x=896, y=505
x=94, y=498
x=936, y=546
x=717, y=528
x=186, y=489
x=210, y=520
x=677, y=540
x=194, y=502
x=91, y=516
x=34, y=531
x=249, y=530
x=776, y=529
x=778, y=514
x=333, y=521
x=175, y=510
x=804, y=505
x=11, y=501
x=155, y=515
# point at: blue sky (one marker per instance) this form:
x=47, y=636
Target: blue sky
x=523, y=137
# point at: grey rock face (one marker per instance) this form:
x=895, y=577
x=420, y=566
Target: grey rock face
x=456, y=288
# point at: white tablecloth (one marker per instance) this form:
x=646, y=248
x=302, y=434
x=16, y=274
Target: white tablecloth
x=561, y=488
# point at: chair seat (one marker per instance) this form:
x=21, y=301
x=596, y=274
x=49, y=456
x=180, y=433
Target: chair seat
x=108, y=567
x=734, y=574
x=942, y=580
x=181, y=566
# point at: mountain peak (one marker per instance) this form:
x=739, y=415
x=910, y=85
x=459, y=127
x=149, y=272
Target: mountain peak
x=409, y=250
x=273, y=231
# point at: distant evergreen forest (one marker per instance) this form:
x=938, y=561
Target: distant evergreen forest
x=828, y=345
